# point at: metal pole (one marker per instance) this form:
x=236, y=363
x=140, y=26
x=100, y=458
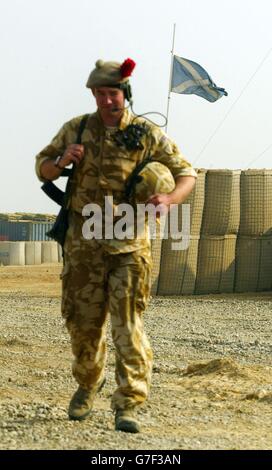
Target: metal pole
x=171, y=74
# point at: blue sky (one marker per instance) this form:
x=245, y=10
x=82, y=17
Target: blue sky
x=49, y=47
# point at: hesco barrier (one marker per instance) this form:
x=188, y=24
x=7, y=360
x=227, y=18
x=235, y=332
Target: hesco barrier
x=221, y=214
x=196, y=201
x=156, y=245
x=253, y=264
x=4, y=253
x=178, y=268
x=231, y=237
x=28, y=253
x=256, y=206
x=216, y=264
x=12, y=253
x=174, y=271
x=33, y=252
x=50, y=252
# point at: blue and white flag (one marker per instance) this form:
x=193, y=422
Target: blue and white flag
x=189, y=78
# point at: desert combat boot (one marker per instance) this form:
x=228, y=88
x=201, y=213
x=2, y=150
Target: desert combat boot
x=126, y=421
x=81, y=403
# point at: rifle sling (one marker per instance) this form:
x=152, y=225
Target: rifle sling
x=50, y=189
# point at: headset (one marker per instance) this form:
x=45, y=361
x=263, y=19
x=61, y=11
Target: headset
x=126, y=87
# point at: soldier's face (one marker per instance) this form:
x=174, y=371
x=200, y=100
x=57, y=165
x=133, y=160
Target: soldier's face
x=109, y=100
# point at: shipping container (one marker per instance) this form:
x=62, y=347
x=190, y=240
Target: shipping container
x=16, y=231
x=3, y=228
x=24, y=230
x=37, y=231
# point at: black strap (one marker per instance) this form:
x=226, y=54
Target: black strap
x=66, y=172
x=134, y=177
x=50, y=189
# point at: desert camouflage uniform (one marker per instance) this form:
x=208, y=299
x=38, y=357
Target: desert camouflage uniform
x=101, y=276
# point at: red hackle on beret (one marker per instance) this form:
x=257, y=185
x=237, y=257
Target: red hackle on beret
x=127, y=68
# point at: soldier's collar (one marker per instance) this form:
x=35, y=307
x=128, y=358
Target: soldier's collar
x=125, y=119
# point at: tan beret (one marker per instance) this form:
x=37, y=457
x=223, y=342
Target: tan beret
x=110, y=73
x=105, y=74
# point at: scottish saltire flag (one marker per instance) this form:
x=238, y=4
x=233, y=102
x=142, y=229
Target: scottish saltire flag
x=189, y=78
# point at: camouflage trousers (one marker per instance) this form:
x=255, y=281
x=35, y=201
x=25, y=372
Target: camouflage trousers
x=96, y=283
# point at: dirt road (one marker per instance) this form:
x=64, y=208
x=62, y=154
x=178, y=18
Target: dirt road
x=212, y=381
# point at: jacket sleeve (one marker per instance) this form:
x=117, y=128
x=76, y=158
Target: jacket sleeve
x=66, y=135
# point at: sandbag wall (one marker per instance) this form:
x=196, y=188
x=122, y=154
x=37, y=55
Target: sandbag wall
x=230, y=246
x=29, y=253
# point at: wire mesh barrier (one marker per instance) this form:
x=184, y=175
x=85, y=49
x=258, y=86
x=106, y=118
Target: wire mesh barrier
x=230, y=247
x=221, y=214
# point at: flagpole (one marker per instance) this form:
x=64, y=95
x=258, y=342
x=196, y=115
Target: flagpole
x=171, y=74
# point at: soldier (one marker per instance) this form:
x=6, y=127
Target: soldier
x=109, y=274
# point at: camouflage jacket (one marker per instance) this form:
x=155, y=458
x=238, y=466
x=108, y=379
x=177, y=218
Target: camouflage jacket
x=107, y=165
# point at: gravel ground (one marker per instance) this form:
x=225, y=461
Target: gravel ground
x=212, y=386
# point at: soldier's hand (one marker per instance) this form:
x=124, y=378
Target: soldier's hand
x=161, y=202
x=73, y=154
